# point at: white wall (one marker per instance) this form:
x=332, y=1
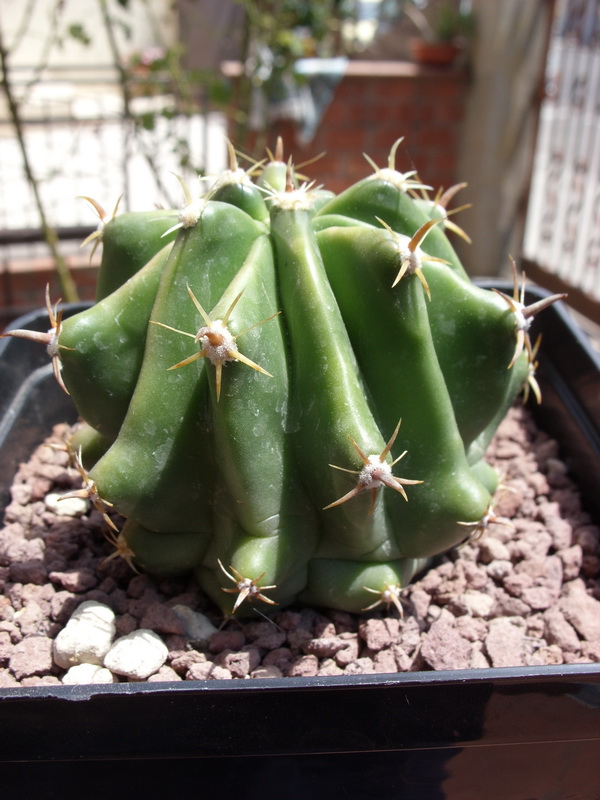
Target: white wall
x=159, y=27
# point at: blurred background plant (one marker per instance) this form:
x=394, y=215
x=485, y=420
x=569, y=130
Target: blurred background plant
x=276, y=34
x=443, y=21
x=444, y=30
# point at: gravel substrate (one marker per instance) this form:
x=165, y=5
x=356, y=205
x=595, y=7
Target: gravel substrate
x=527, y=593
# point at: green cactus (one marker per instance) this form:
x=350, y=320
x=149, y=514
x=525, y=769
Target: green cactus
x=290, y=393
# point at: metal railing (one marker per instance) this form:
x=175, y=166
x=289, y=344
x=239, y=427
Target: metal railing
x=81, y=142
x=562, y=234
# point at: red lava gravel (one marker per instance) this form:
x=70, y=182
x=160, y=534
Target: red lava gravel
x=527, y=593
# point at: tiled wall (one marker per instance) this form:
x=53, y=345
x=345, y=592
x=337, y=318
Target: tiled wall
x=374, y=104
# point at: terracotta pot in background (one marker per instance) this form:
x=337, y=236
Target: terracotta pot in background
x=438, y=54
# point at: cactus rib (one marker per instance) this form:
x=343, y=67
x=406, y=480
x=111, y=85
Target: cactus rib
x=352, y=312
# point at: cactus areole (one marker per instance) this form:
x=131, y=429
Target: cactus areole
x=290, y=393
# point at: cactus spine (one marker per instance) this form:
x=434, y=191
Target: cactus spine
x=290, y=393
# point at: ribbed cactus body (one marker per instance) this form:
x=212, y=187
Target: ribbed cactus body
x=129, y=241
x=335, y=440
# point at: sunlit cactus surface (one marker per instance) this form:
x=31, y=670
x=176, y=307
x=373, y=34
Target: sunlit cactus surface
x=290, y=393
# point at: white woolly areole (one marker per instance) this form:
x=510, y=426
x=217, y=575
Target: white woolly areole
x=372, y=474
x=248, y=585
x=400, y=179
x=391, y=592
x=414, y=258
x=190, y=214
x=52, y=347
x=522, y=323
x=296, y=200
x=233, y=176
x=217, y=352
x=487, y=518
x=438, y=210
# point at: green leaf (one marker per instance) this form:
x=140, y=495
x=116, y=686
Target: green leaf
x=77, y=31
x=147, y=121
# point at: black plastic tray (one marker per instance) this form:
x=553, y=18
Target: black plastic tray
x=495, y=733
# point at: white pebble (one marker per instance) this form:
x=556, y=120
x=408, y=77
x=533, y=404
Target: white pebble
x=87, y=636
x=69, y=507
x=499, y=568
x=83, y=674
x=492, y=549
x=271, y=671
x=137, y=655
x=477, y=604
x=198, y=627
